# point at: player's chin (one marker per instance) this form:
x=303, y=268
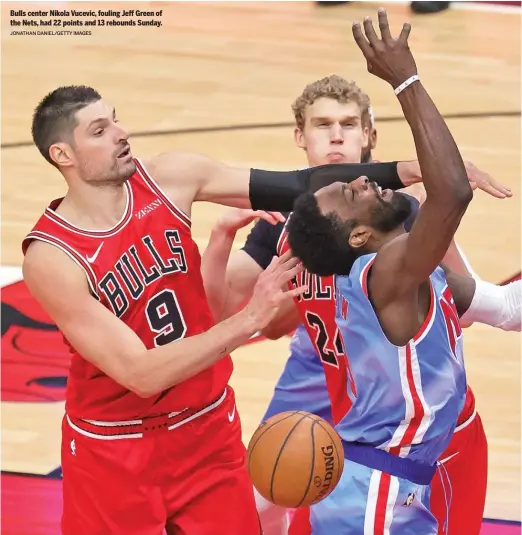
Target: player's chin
x=126, y=169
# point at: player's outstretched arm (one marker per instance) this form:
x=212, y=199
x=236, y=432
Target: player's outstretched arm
x=482, y=302
x=108, y=343
x=193, y=177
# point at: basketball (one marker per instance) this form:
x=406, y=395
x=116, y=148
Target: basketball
x=295, y=459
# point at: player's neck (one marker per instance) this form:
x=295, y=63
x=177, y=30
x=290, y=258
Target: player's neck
x=379, y=239
x=96, y=208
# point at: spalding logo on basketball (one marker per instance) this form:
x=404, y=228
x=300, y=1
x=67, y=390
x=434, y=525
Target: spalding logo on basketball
x=295, y=459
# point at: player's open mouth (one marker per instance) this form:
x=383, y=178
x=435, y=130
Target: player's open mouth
x=125, y=153
x=383, y=193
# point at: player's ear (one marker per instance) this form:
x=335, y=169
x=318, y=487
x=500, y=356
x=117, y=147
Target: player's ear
x=299, y=138
x=359, y=236
x=61, y=154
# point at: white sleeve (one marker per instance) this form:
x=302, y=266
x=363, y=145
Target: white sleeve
x=498, y=306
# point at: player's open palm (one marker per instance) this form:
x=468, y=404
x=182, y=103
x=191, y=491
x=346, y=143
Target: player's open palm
x=387, y=58
x=271, y=289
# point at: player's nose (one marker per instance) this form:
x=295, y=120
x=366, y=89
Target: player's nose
x=361, y=183
x=336, y=134
x=123, y=133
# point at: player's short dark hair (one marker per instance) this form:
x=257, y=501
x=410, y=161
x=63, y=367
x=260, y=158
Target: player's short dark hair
x=54, y=118
x=319, y=240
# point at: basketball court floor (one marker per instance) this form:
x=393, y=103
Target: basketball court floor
x=219, y=78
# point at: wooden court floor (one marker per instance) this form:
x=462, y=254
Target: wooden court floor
x=211, y=66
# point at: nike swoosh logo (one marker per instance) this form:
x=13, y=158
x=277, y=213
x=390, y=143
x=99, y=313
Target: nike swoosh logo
x=442, y=461
x=92, y=258
x=232, y=414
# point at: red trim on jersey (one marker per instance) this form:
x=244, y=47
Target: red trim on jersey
x=364, y=276
x=430, y=316
x=283, y=238
x=382, y=504
x=424, y=328
x=418, y=409
x=153, y=185
x=468, y=409
x=59, y=220
x=74, y=255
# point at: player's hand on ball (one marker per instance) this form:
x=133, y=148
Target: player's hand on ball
x=235, y=219
x=271, y=289
x=387, y=58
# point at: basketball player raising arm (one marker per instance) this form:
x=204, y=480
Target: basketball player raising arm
x=366, y=218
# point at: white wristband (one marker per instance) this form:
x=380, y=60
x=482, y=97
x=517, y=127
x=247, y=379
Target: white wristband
x=405, y=84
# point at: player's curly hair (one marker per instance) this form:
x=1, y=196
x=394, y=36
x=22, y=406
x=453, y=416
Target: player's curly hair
x=319, y=240
x=334, y=87
x=54, y=118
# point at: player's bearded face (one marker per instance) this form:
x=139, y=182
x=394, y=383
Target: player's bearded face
x=101, y=149
x=388, y=215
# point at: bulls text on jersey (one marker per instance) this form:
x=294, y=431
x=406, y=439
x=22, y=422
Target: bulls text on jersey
x=134, y=271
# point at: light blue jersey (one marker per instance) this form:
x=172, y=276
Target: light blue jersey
x=407, y=399
x=405, y=406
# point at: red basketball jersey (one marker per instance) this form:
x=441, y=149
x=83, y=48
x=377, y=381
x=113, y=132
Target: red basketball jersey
x=317, y=310
x=146, y=270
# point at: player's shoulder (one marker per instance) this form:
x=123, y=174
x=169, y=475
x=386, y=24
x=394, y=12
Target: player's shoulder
x=173, y=164
x=47, y=266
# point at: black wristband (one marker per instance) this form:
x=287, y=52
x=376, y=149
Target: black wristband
x=277, y=190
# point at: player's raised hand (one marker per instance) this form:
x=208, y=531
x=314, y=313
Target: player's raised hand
x=271, y=289
x=235, y=219
x=387, y=58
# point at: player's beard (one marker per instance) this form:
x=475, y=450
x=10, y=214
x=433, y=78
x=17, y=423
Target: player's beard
x=388, y=215
x=118, y=173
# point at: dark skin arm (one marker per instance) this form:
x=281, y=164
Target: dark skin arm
x=409, y=259
x=462, y=288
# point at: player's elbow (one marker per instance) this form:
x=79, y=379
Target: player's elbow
x=141, y=388
x=462, y=195
x=138, y=380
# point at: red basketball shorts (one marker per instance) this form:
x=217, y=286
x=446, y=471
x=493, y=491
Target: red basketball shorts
x=463, y=494
x=144, y=478
x=465, y=465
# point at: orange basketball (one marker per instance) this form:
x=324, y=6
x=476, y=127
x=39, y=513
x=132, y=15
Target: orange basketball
x=295, y=459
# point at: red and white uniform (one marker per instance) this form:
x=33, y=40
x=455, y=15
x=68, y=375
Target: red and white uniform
x=189, y=459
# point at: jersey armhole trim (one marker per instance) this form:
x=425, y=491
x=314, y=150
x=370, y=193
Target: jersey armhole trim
x=430, y=316
x=71, y=253
x=155, y=188
x=283, y=238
